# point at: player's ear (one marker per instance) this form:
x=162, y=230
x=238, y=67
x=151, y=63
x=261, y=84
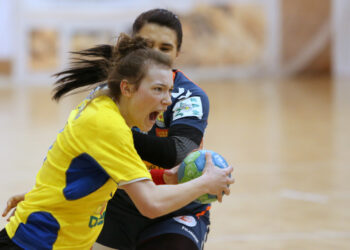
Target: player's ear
x=126, y=88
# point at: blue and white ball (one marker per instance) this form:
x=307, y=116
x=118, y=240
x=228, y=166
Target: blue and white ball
x=192, y=167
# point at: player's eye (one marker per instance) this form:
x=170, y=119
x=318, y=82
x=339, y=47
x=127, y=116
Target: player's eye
x=158, y=89
x=165, y=49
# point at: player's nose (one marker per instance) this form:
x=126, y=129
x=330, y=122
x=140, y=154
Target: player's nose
x=166, y=99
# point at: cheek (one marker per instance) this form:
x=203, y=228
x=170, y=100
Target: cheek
x=172, y=55
x=144, y=102
x=150, y=98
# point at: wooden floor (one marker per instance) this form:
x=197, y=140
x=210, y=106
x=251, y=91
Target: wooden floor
x=288, y=139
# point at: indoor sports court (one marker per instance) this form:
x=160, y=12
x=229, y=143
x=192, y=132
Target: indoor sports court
x=277, y=73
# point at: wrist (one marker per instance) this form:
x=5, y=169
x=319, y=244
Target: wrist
x=203, y=183
x=157, y=176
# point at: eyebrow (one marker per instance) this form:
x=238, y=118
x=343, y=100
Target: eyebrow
x=164, y=85
x=167, y=44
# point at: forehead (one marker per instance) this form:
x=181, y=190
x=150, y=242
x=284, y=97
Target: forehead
x=159, y=74
x=158, y=34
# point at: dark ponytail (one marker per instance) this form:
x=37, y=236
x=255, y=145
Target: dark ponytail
x=91, y=67
x=128, y=60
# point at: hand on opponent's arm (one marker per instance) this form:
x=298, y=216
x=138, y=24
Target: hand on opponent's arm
x=12, y=203
x=170, y=175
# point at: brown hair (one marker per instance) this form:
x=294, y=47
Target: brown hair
x=128, y=60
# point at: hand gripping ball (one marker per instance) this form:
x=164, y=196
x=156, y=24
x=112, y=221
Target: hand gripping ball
x=192, y=167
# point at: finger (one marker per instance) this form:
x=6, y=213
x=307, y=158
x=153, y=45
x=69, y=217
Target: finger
x=219, y=195
x=5, y=212
x=227, y=191
x=8, y=207
x=231, y=180
x=176, y=168
x=208, y=160
x=12, y=214
x=228, y=170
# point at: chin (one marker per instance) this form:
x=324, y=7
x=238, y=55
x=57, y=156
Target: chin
x=145, y=128
x=146, y=125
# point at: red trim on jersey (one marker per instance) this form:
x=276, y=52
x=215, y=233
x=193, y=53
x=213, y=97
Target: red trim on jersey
x=174, y=75
x=177, y=70
x=157, y=176
x=162, y=132
x=203, y=212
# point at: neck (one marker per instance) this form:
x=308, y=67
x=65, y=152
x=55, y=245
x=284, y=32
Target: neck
x=123, y=108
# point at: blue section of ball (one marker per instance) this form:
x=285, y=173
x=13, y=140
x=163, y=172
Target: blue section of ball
x=200, y=161
x=181, y=171
x=193, y=166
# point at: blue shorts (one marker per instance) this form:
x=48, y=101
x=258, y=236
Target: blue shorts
x=189, y=226
x=125, y=228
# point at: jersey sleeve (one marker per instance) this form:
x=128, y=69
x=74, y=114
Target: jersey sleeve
x=167, y=152
x=192, y=111
x=112, y=146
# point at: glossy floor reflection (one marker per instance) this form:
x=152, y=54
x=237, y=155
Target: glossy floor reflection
x=288, y=139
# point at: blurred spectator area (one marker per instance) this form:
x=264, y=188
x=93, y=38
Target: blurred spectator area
x=227, y=39
x=306, y=36
x=5, y=67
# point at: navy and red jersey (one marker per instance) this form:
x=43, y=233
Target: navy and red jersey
x=190, y=106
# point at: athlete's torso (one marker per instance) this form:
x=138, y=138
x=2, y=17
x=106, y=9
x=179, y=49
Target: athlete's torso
x=65, y=209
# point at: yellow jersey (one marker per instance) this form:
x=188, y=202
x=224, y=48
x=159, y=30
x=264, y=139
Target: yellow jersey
x=91, y=156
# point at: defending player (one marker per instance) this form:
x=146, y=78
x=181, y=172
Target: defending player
x=95, y=151
x=176, y=133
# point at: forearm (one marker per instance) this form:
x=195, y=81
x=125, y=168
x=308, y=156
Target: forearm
x=167, y=152
x=169, y=198
x=154, y=201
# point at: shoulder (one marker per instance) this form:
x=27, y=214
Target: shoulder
x=101, y=118
x=188, y=101
x=184, y=87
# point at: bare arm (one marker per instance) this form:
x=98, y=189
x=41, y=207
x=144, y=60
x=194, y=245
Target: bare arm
x=12, y=203
x=153, y=201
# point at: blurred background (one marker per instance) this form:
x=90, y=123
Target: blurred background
x=277, y=73
x=227, y=39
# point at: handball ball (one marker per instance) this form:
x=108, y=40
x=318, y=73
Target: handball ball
x=192, y=167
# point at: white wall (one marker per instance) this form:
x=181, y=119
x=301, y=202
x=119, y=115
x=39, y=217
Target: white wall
x=341, y=38
x=7, y=17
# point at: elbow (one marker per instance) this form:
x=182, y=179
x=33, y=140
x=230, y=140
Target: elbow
x=148, y=198
x=152, y=211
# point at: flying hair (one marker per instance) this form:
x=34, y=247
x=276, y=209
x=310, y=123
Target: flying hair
x=127, y=60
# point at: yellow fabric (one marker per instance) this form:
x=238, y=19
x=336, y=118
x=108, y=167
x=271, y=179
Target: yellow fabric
x=96, y=128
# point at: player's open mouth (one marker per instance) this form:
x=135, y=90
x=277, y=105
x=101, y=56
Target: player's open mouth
x=153, y=115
